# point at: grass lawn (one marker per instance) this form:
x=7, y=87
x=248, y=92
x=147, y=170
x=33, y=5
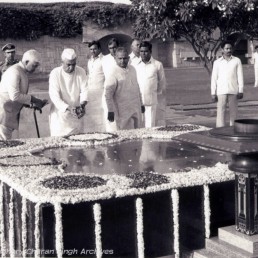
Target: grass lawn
x=192, y=86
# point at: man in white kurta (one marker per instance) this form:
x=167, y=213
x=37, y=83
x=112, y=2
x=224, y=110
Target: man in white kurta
x=108, y=63
x=95, y=119
x=227, y=84
x=123, y=95
x=255, y=60
x=68, y=93
x=135, y=54
x=151, y=79
x=108, y=60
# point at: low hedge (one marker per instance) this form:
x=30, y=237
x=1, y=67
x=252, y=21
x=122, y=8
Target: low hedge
x=31, y=21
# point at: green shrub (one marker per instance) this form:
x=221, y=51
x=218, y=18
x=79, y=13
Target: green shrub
x=31, y=21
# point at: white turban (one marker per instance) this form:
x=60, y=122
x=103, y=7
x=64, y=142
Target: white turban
x=68, y=54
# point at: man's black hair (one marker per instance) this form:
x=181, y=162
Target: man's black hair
x=94, y=42
x=146, y=44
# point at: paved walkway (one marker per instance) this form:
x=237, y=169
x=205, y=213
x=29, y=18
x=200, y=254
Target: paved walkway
x=187, y=97
x=205, y=114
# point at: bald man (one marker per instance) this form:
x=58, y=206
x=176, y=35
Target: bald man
x=14, y=93
x=123, y=95
x=68, y=94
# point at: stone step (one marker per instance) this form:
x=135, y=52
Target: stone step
x=239, y=240
x=219, y=246
x=204, y=253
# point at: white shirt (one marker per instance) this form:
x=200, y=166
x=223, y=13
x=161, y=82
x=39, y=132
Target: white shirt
x=108, y=62
x=96, y=75
x=151, y=79
x=255, y=58
x=134, y=60
x=227, y=76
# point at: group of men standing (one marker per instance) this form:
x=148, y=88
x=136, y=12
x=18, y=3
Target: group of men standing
x=117, y=92
x=131, y=84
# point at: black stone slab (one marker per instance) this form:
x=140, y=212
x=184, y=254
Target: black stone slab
x=221, y=142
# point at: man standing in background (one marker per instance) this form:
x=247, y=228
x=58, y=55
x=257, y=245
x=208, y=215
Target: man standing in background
x=255, y=60
x=9, y=53
x=227, y=84
x=95, y=119
x=151, y=79
x=108, y=63
x=68, y=93
x=135, y=54
x=108, y=60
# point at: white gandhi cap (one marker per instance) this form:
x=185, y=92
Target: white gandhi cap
x=68, y=54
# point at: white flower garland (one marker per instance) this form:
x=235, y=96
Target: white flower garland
x=97, y=218
x=59, y=230
x=28, y=184
x=11, y=225
x=139, y=226
x=24, y=226
x=175, y=207
x=207, y=210
x=2, y=227
x=37, y=230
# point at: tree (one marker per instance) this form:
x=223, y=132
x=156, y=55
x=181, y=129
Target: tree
x=203, y=23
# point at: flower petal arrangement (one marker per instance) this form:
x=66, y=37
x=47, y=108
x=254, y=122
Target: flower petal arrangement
x=39, y=168
x=43, y=180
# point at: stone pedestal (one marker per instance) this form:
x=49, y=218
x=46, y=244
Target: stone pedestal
x=229, y=244
x=245, y=167
x=239, y=240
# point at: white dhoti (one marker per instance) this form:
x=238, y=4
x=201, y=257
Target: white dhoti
x=94, y=118
x=110, y=126
x=63, y=123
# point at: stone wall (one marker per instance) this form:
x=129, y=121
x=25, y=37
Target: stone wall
x=184, y=56
x=51, y=49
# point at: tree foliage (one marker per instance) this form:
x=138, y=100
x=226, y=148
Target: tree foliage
x=203, y=23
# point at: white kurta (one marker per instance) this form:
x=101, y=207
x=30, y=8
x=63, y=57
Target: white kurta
x=134, y=60
x=151, y=79
x=108, y=63
x=123, y=97
x=227, y=76
x=95, y=119
x=66, y=90
x=255, y=60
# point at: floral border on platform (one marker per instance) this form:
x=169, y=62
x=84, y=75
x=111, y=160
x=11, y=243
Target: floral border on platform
x=28, y=181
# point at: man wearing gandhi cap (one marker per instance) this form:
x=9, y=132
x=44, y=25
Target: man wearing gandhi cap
x=68, y=94
x=9, y=52
x=14, y=93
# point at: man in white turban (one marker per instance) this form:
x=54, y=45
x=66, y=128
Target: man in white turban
x=68, y=93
